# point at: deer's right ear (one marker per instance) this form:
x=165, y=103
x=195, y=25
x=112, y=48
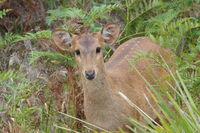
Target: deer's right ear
x=110, y=33
x=62, y=39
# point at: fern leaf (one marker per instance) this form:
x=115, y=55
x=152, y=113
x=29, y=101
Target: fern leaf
x=140, y=9
x=144, y=7
x=52, y=56
x=98, y=11
x=183, y=24
x=8, y=38
x=6, y=75
x=63, y=12
x=3, y=12
x=30, y=36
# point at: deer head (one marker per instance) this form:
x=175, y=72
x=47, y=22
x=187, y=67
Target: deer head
x=87, y=47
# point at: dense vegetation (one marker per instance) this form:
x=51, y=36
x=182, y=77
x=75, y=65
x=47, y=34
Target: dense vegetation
x=39, y=88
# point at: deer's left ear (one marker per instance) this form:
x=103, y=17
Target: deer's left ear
x=110, y=33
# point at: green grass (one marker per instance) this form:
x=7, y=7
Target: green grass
x=176, y=118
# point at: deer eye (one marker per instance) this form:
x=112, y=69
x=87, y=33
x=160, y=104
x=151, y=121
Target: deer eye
x=77, y=52
x=98, y=50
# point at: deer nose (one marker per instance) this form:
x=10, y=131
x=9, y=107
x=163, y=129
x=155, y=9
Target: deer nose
x=90, y=74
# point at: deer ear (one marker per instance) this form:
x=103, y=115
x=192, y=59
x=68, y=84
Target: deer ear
x=62, y=39
x=110, y=33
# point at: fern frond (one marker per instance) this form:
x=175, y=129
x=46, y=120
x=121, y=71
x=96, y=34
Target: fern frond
x=63, y=12
x=3, y=12
x=36, y=35
x=139, y=9
x=144, y=7
x=99, y=11
x=65, y=59
x=183, y=25
x=87, y=18
x=5, y=75
x=166, y=17
x=10, y=38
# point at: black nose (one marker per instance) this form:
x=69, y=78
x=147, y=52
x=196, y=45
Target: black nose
x=90, y=74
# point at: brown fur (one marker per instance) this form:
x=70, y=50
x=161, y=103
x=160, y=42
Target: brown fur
x=103, y=105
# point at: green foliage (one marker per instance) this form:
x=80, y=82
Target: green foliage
x=52, y=57
x=3, y=12
x=87, y=18
x=63, y=12
x=10, y=38
x=141, y=7
x=17, y=89
x=36, y=35
x=6, y=75
x=135, y=10
x=168, y=33
x=161, y=21
x=26, y=109
x=97, y=12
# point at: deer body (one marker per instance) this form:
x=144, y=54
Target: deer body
x=103, y=105
x=102, y=82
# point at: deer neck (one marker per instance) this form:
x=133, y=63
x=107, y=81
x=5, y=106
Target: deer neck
x=98, y=89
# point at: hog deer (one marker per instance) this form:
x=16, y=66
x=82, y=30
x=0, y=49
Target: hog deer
x=102, y=82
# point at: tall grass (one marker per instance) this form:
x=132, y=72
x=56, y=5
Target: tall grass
x=175, y=118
